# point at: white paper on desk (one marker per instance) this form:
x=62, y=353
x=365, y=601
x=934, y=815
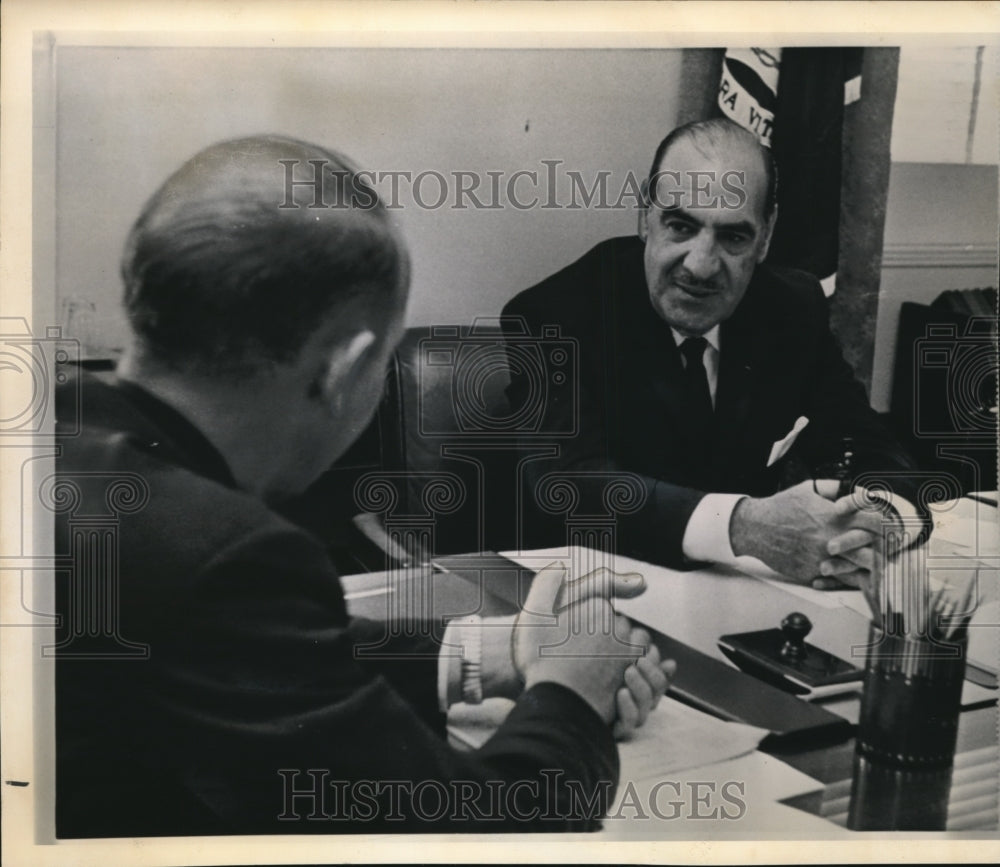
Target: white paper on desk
x=823, y=598
x=965, y=528
x=675, y=742
x=756, y=781
x=853, y=599
x=676, y=737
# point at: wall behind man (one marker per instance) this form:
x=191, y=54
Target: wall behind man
x=941, y=213
x=126, y=117
x=940, y=233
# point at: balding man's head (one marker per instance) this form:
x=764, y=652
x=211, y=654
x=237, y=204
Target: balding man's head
x=231, y=266
x=721, y=136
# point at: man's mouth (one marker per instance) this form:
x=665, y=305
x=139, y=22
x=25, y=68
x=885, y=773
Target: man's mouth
x=695, y=291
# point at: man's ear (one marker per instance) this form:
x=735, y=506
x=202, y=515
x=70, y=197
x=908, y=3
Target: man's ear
x=643, y=210
x=342, y=368
x=768, y=234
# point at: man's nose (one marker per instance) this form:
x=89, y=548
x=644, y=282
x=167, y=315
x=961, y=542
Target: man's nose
x=702, y=258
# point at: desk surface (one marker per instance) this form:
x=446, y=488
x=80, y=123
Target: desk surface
x=696, y=608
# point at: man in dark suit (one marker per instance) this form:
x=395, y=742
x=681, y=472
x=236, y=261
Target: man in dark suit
x=710, y=378
x=208, y=676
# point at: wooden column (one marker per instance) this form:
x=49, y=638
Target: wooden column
x=863, y=193
x=701, y=70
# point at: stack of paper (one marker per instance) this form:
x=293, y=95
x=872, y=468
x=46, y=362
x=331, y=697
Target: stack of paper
x=681, y=771
x=676, y=737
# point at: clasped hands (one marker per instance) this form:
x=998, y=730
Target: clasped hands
x=568, y=633
x=809, y=537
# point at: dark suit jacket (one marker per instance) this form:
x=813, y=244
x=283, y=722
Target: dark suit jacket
x=625, y=409
x=205, y=646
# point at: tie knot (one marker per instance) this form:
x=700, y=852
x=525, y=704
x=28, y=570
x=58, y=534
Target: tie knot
x=693, y=350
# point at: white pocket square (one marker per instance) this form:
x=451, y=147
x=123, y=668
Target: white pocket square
x=781, y=447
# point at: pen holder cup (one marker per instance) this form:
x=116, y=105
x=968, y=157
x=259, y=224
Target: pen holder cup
x=905, y=745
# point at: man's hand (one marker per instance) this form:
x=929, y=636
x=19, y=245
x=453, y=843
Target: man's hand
x=568, y=633
x=792, y=532
x=646, y=682
x=502, y=671
x=858, y=557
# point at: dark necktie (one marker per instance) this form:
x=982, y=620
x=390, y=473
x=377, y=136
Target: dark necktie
x=700, y=411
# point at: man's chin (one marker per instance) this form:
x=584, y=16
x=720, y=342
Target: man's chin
x=687, y=321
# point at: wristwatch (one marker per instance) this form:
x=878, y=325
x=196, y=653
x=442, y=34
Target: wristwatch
x=472, y=660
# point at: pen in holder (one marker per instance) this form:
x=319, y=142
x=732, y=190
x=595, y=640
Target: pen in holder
x=905, y=746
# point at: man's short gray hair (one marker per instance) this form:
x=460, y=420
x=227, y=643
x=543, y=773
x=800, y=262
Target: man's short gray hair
x=241, y=254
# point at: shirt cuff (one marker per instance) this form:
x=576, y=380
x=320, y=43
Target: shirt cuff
x=450, y=666
x=706, y=536
x=460, y=662
x=910, y=518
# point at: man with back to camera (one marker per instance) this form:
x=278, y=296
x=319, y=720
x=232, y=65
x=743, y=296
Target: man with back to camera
x=260, y=333
x=714, y=378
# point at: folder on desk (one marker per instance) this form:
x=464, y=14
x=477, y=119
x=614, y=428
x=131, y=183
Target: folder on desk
x=701, y=681
x=714, y=687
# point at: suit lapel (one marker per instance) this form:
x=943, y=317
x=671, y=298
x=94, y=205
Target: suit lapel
x=660, y=354
x=736, y=375
x=669, y=385
x=753, y=379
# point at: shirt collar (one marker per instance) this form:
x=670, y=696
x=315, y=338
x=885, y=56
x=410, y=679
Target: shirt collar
x=712, y=336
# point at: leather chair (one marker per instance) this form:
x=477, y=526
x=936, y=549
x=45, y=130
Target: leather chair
x=434, y=472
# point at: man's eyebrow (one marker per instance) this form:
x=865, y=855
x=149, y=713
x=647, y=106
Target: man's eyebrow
x=676, y=213
x=744, y=226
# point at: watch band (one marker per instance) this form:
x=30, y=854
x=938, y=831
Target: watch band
x=472, y=660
